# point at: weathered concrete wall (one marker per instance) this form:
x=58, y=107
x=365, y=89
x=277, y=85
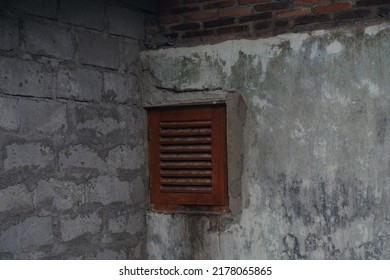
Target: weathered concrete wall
x=315, y=152
x=72, y=157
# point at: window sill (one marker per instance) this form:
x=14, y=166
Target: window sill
x=190, y=209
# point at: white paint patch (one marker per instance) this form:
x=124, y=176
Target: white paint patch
x=260, y=103
x=358, y=233
x=373, y=30
x=262, y=50
x=320, y=149
x=319, y=33
x=314, y=53
x=334, y=48
x=299, y=132
x=296, y=40
x=227, y=54
x=333, y=95
x=373, y=89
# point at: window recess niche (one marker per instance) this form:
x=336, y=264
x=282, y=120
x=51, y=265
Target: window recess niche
x=187, y=158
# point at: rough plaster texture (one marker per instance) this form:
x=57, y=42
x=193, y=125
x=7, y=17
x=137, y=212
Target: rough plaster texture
x=72, y=151
x=315, y=179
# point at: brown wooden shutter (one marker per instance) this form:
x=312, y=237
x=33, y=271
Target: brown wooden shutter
x=187, y=155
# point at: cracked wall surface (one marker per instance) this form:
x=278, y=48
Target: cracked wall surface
x=72, y=156
x=315, y=152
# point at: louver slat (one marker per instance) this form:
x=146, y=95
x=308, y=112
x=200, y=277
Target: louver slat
x=191, y=153
x=187, y=156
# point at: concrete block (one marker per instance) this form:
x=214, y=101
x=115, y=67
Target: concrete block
x=80, y=157
x=79, y=84
x=111, y=255
x=102, y=126
x=95, y=49
x=130, y=56
x=89, y=112
x=125, y=157
x=108, y=189
x=135, y=119
x=26, y=78
x=139, y=191
x=117, y=225
x=43, y=116
x=86, y=13
x=126, y=22
x=136, y=223
x=82, y=224
x=105, y=120
x=120, y=88
x=48, y=39
x=32, y=232
x=9, y=114
x=135, y=93
x=15, y=197
x=62, y=195
x=9, y=34
x=44, y=8
x=35, y=255
x=167, y=236
x=33, y=155
x=132, y=224
x=138, y=252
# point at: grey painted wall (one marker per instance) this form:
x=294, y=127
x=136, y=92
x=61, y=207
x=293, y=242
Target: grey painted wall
x=309, y=147
x=72, y=156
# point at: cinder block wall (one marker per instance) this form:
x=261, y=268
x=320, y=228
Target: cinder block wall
x=199, y=21
x=72, y=156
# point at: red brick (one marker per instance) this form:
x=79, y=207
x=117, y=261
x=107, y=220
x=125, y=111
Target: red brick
x=190, y=1
x=264, y=34
x=183, y=10
x=244, y=2
x=309, y=2
x=271, y=6
x=384, y=12
x=311, y=19
x=263, y=25
x=218, y=5
x=235, y=11
x=352, y=14
x=169, y=20
x=202, y=15
x=233, y=29
x=293, y=13
x=363, y=3
x=281, y=23
x=218, y=22
x=186, y=26
x=200, y=33
x=256, y=17
x=333, y=7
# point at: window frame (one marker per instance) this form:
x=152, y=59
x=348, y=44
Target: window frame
x=217, y=199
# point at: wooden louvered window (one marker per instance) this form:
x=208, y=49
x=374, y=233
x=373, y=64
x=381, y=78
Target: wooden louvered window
x=187, y=157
